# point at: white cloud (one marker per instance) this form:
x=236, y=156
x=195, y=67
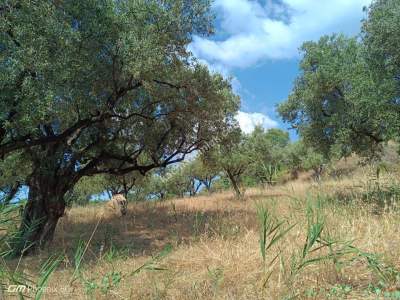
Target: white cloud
x=274, y=30
x=248, y=121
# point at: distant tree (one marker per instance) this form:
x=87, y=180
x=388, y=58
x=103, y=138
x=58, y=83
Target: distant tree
x=191, y=176
x=222, y=183
x=190, y=171
x=294, y=155
x=179, y=181
x=266, y=149
x=204, y=173
x=315, y=161
x=299, y=157
x=156, y=185
x=101, y=87
x=184, y=179
x=9, y=191
x=336, y=105
x=85, y=189
x=231, y=156
x=122, y=184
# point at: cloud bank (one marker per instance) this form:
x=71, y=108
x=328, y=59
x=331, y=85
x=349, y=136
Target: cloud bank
x=273, y=29
x=248, y=121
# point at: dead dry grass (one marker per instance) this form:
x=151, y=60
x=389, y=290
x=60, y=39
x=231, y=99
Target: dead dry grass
x=216, y=252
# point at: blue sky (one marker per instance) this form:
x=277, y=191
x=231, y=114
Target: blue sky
x=257, y=42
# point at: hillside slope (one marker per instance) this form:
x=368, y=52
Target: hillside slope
x=214, y=246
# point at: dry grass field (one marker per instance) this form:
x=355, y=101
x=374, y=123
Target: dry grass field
x=338, y=239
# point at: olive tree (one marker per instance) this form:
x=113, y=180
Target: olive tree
x=185, y=178
x=85, y=190
x=335, y=103
x=266, y=150
x=299, y=157
x=231, y=156
x=382, y=51
x=93, y=87
x=122, y=184
x=204, y=173
x=294, y=154
x=346, y=98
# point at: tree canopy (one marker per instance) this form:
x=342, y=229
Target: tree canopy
x=107, y=81
x=346, y=98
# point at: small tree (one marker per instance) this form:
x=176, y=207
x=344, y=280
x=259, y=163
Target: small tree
x=155, y=185
x=315, y=161
x=204, y=173
x=298, y=157
x=294, y=158
x=180, y=181
x=122, y=184
x=231, y=156
x=266, y=151
x=85, y=189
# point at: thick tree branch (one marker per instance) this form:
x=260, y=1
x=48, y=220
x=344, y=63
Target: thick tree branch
x=69, y=135
x=92, y=167
x=28, y=142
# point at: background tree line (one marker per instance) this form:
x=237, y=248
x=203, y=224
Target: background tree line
x=263, y=157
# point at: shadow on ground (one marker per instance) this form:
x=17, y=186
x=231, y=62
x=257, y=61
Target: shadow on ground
x=146, y=229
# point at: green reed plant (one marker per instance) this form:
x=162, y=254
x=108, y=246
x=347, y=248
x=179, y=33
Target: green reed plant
x=271, y=231
x=45, y=272
x=316, y=242
x=9, y=214
x=151, y=264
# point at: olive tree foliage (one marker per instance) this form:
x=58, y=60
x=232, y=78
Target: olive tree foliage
x=266, y=149
x=192, y=176
x=92, y=187
x=102, y=87
x=327, y=105
x=294, y=158
x=204, y=173
x=231, y=156
x=122, y=184
x=248, y=159
x=157, y=184
x=314, y=161
x=184, y=179
x=85, y=190
x=299, y=157
x=155, y=187
x=346, y=98
x=181, y=181
x=382, y=51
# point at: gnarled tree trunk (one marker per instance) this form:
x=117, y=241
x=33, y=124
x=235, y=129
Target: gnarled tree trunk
x=41, y=214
